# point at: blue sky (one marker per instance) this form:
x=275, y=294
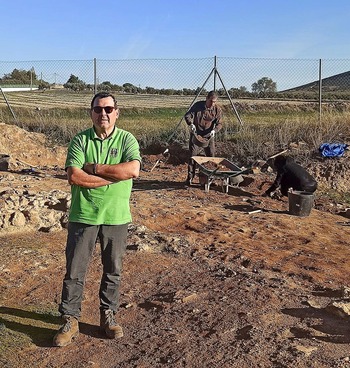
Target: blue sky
x=162, y=29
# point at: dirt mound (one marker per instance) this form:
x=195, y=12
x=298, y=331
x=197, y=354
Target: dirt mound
x=332, y=173
x=28, y=148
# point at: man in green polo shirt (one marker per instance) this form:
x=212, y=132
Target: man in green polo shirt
x=101, y=163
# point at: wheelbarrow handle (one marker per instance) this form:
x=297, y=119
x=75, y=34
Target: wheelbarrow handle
x=246, y=171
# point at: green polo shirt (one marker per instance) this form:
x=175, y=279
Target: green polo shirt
x=107, y=205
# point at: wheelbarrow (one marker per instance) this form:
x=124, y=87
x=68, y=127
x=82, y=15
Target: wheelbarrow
x=210, y=169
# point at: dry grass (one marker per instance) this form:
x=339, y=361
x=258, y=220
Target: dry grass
x=268, y=126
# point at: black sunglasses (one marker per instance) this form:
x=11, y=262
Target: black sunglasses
x=98, y=109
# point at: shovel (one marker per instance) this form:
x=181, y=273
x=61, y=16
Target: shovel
x=166, y=154
x=262, y=165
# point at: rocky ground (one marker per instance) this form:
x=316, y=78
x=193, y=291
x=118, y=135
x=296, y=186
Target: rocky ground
x=211, y=279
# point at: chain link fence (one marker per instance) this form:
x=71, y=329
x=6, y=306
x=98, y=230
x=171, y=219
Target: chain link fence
x=158, y=83
x=183, y=76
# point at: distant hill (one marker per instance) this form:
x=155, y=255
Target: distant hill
x=337, y=83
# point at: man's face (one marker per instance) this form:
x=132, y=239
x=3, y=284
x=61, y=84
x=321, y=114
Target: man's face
x=211, y=101
x=103, y=120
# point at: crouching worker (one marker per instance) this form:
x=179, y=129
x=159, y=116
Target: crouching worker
x=290, y=175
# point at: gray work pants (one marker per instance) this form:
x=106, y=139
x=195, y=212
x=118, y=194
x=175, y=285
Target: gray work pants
x=81, y=241
x=195, y=150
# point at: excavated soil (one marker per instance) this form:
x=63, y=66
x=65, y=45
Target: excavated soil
x=211, y=279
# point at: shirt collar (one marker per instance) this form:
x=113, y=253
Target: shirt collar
x=95, y=136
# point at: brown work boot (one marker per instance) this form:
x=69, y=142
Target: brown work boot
x=67, y=332
x=109, y=325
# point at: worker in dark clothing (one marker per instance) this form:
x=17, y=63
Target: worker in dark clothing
x=290, y=175
x=204, y=119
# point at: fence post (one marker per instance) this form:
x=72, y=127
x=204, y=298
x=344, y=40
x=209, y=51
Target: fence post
x=95, y=76
x=215, y=73
x=320, y=90
x=31, y=77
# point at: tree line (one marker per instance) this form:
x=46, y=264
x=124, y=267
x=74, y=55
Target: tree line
x=265, y=87
x=20, y=76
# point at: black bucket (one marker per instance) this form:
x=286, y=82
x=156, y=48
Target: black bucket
x=300, y=203
x=4, y=162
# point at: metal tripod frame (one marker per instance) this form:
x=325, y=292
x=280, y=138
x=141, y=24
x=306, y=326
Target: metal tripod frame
x=8, y=105
x=216, y=73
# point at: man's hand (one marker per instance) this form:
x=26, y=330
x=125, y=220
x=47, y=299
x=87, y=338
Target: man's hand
x=193, y=129
x=275, y=194
x=89, y=168
x=212, y=134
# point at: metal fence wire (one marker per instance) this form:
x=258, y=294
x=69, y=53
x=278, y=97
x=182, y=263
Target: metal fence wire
x=178, y=74
x=239, y=78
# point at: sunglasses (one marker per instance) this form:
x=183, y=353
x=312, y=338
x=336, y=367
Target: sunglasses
x=98, y=109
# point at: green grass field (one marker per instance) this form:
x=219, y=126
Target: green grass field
x=268, y=125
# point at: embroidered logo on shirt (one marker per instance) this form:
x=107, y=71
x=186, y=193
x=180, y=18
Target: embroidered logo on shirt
x=114, y=152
